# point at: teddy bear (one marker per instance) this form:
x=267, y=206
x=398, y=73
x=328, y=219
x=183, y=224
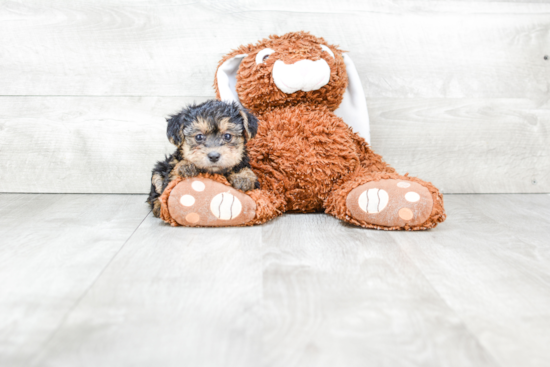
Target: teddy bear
x=311, y=152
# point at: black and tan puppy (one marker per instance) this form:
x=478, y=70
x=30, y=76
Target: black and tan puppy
x=211, y=138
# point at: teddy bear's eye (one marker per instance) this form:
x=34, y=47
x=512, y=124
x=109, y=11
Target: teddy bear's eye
x=263, y=55
x=325, y=48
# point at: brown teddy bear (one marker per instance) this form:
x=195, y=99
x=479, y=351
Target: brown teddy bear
x=310, y=152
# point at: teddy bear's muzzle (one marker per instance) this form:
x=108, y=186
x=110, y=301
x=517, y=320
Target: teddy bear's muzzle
x=304, y=75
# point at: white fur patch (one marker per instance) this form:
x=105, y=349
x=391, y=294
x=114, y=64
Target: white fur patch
x=304, y=75
x=353, y=109
x=226, y=77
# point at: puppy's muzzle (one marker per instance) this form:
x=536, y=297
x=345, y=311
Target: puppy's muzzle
x=214, y=156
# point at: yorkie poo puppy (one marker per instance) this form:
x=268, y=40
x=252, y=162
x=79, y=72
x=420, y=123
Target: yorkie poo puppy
x=211, y=138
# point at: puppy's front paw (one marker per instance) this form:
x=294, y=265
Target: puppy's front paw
x=244, y=180
x=244, y=184
x=156, y=208
x=186, y=169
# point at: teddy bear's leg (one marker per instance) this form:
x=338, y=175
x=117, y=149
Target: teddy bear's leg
x=212, y=202
x=386, y=200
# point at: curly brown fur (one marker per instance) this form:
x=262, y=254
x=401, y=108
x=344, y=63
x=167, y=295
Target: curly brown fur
x=306, y=158
x=255, y=85
x=211, y=138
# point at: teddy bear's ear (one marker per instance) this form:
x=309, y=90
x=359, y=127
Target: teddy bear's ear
x=226, y=79
x=353, y=109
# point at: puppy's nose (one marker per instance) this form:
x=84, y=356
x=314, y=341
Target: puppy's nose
x=214, y=156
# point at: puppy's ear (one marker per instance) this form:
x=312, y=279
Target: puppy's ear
x=250, y=123
x=174, y=131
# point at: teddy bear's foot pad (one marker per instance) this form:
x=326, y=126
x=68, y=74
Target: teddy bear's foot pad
x=390, y=203
x=203, y=202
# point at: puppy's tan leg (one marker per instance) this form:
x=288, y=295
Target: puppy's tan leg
x=157, y=182
x=244, y=180
x=156, y=208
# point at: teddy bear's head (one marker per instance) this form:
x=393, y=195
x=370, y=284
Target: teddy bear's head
x=292, y=69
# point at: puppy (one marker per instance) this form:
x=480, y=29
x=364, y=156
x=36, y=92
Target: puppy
x=210, y=138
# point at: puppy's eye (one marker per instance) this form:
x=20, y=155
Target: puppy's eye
x=227, y=137
x=199, y=137
x=326, y=49
x=263, y=55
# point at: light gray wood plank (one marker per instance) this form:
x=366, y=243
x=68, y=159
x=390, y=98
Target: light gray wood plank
x=466, y=145
x=403, y=49
x=303, y=290
x=526, y=219
x=83, y=145
x=52, y=248
x=171, y=297
x=110, y=144
x=336, y=295
x=493, y=268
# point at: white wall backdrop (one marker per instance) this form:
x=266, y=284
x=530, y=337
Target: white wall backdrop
x=458, y=92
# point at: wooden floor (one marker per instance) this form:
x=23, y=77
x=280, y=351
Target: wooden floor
x=95, y=280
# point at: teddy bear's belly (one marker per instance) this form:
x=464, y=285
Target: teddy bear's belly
x=301, y=153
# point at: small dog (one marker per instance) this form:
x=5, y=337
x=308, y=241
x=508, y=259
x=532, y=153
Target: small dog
x=211, y=138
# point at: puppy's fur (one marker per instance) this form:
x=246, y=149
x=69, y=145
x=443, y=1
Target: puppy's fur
x=210, y=138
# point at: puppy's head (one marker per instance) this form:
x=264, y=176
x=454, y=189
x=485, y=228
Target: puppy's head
x=212, y=135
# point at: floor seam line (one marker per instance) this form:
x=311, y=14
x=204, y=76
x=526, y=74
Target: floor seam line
x=440, y=296
x=77, y=302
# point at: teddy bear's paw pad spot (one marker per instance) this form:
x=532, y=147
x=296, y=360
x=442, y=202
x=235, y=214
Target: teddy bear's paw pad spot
x=206, y=203
x=187, y=200
x=405, y=214
x=373, y=200
x=390, y=203
x=198, y=186
x=192, y=217
x=225, y=206
x=412, y=197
